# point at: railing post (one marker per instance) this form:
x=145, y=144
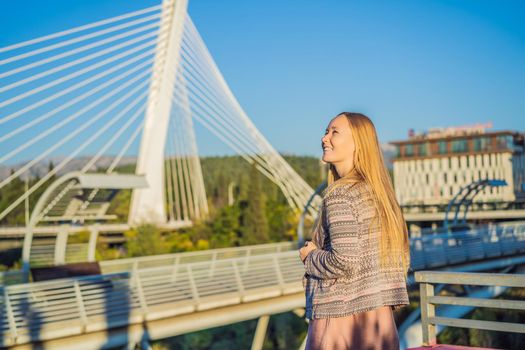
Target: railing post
x=427, y=311
x=278, y=271
x=246, y=262
x=238, y=278
x=193, y=285
x=137, y=283
x=10, y=316
x=175, y=268
x=60, y=246
x=213, y=261
x=80, y=304
x=92, y=247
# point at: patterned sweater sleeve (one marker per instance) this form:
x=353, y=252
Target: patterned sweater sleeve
x=343, y=227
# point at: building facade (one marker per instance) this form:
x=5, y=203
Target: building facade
x=431, y=168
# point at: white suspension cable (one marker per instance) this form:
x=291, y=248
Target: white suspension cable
x=173, y=179
x=226, y=138
x=206, y=100
x=126, y=147
x=209, y=98
x=218, y=132
x=208, y=110
x=196, y=178
x=213, y=71
x=183, y=143
x=76, y=62
x=292, y=174
x=168, y=176
x=78, y=98
x=114, y=138
x=77, y=50
x=80, y=28
x=72, y=41
x=67, y=159
x=108, y=144
x=75, y=74
x=305, y=193
x=71, y=135
x=203, y=109
x=71, y=118
x=180, y=178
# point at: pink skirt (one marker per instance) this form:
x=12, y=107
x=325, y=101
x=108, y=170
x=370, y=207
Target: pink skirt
x=375, y=329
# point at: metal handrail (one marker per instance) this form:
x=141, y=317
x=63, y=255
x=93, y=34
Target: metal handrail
x=119, y=265
x=445, y=249
x=429, y=301
x=46, y=310
x=127, y=264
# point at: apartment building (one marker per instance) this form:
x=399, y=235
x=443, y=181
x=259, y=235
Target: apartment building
x=431, y=167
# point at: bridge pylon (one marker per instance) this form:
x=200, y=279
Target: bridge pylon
x=148, y=204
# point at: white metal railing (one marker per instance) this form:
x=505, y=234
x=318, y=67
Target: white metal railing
x=45, y=310
x=211, y=255
x=427, y=252
x=438, y=250
x=429, y=301
x=44, y=256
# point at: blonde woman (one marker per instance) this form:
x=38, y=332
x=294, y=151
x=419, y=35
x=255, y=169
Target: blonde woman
x=357, y=261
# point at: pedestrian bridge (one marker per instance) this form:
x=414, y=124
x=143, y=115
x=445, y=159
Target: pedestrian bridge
x=148, y=298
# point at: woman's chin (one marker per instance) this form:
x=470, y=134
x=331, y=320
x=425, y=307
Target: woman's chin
x=326, y=158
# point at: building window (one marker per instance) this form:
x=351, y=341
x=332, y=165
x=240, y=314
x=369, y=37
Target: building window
x=445, y=177
x=423, y=149
x=504, y=142
x=409, y=150
x=459, y=146
x=482, y=144
x=442, y=145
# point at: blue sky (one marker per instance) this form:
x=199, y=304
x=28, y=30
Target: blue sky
x=295, y=64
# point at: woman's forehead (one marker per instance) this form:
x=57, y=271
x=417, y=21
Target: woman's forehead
x=338, y=122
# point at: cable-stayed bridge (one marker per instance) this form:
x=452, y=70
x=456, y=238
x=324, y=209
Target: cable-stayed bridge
x=131, y=83
x=142, y=299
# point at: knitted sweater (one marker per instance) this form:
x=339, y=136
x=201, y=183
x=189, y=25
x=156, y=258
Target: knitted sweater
x=344, y=277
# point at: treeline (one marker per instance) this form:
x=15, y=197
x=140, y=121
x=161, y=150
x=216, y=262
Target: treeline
x=253, y=211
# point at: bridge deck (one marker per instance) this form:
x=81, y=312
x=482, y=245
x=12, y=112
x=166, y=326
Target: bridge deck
x=146, y=290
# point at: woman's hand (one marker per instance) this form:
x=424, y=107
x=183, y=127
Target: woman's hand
x=304, y=251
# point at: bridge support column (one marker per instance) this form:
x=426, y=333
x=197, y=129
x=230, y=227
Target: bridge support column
x=260, y=332
x=148, y=204
x=60, y=247
x=92, y=247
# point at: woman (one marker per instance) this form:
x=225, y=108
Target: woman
x=357, y=262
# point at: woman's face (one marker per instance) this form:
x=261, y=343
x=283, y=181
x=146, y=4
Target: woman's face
x=338, y=143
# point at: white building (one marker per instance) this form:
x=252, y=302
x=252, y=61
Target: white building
x=432, y=168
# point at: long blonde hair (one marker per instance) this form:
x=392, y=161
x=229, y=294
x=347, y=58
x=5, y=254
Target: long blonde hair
x=369, y=166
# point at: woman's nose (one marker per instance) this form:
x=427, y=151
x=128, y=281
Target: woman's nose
x=324, y=138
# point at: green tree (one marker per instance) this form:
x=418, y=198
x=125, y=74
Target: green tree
x=254, y=222
x=146, y=239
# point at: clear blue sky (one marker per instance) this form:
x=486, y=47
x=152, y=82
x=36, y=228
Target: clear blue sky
x=295, y=64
